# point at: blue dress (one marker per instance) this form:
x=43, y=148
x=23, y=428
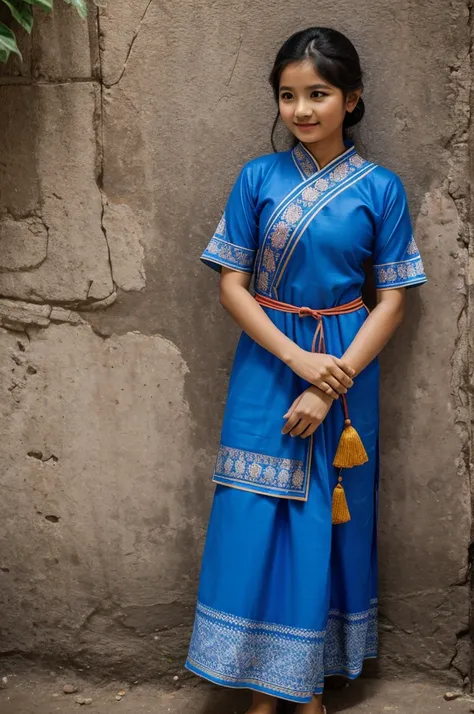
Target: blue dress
x=286, y=598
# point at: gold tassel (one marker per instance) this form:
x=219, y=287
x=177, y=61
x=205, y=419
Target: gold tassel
x=340, y=509
x=351, y=451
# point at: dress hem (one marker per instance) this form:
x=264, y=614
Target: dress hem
x=256, y=687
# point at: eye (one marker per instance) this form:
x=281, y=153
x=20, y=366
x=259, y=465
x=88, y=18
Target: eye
x=317, y=94
x=286, y=95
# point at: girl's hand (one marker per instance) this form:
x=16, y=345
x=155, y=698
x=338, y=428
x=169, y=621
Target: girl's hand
x=331, y=375
x=307, y=412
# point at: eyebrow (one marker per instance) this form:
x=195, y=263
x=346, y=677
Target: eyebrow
x=312, y=86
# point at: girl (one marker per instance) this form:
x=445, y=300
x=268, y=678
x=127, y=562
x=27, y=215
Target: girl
x=288, y=591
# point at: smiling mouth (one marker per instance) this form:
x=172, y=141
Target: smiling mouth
x=306, y=125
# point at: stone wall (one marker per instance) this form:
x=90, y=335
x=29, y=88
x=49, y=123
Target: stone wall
x=119, y=142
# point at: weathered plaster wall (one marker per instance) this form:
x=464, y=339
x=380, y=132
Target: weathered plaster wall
x=120, y=140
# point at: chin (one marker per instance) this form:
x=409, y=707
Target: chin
x=309, y=136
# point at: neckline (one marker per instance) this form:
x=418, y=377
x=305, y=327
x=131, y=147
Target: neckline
x=307, y=164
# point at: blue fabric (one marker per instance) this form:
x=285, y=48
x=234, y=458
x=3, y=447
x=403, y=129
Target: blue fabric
x=285, y=598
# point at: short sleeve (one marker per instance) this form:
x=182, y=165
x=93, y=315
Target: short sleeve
x=397, y=260
x=235, y=242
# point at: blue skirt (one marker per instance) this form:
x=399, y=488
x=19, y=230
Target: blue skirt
x=285, y=597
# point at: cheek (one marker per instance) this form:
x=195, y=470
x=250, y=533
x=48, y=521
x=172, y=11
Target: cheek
x=334, y=110
x=286, y=113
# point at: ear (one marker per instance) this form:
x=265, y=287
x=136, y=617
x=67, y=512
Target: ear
x=352, y=99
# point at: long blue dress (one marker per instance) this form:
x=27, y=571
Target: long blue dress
x=286, y=598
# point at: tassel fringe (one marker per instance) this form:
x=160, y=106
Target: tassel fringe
x=351, y=451
x=340, y=509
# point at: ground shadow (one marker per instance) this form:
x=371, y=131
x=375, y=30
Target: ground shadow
x=340, y=696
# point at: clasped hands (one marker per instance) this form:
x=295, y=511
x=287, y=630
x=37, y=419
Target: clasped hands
x=330, y=377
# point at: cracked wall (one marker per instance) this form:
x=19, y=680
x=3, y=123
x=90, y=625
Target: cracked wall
x=120, y=140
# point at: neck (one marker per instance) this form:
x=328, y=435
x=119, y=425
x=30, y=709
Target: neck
x=326, y=150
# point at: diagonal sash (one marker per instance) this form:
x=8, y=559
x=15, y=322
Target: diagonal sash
x=297, y=210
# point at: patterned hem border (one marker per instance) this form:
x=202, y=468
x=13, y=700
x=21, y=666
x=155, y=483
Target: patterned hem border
x=247, y=684
x=399, y=273
x=259, y=687
x=262, y=473
x=403, y=284
x=216, y=264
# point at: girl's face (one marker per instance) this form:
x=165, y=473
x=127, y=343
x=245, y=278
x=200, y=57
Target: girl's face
x=310, y=107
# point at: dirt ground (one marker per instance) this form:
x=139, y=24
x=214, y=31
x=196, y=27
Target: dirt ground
x=32, y=690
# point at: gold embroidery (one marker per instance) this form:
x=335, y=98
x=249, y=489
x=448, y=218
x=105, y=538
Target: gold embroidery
x=271, y=471
x=269, y=259
x=262, y=281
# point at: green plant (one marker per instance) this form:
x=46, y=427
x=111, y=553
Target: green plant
x=21, y=11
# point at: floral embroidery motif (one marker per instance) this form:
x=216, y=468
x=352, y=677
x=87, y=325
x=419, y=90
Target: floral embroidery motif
x=399, y=274
x=231, y=256
x=310, y=194
x=248, y=467
x=280, y=235
x=356, y=160
x=220, y=251
x=304, y=161
x=221, y=228
x=412, y=248
x=290, y=660
x=340, y=172
x=294, y=213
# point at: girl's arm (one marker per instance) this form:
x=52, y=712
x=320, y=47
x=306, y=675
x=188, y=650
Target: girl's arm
x=377, y=329
x=330, y=374
x=310, y=409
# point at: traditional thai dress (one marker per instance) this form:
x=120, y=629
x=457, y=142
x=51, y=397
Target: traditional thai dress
x=286, y=597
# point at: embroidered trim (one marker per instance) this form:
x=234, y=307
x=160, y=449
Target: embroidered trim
x=238, y=651
x=400, y=273
x=271, y=472
x=229, y=255
x=349, y=639
x=412, y=248
x=304, y=161
x=295, y=213
x=235, y=649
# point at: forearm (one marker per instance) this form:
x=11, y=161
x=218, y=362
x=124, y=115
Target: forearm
x=250, y=316
x=375, y=333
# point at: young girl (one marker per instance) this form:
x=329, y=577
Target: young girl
x=288, y=591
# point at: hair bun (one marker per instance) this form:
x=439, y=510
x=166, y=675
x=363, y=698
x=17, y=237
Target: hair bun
x=354, y=117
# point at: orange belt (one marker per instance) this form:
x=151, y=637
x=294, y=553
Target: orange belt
x=351, y=451
x=318, y=315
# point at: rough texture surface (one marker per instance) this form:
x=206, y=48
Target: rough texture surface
x=32, y=691
x=120, y=140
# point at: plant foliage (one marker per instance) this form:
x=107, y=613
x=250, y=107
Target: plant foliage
x=21, y=11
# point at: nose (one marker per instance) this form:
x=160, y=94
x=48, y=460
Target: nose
x=302, y=110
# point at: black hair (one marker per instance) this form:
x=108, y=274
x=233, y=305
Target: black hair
x=333, y=56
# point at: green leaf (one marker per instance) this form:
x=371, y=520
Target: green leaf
x=8, y=41
x=80, y=6
x=43, y=4
x=21, y=12
x=4, y=55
